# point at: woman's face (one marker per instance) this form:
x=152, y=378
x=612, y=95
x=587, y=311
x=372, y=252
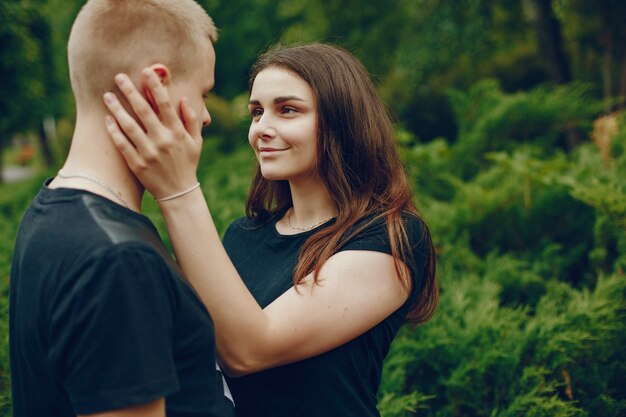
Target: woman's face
x=283, y=132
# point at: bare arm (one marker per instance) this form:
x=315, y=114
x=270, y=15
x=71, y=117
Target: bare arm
x=151, y=409
x=356, y=289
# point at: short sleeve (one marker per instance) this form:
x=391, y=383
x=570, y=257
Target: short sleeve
x=376, y=238
x=111, y=335
x=231, y=230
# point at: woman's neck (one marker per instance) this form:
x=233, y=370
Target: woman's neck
x=312, y=205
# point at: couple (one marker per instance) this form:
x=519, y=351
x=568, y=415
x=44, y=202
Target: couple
x=305, y=294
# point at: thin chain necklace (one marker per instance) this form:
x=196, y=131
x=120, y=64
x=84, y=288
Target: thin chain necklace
x=305, y=228
x=98, y=182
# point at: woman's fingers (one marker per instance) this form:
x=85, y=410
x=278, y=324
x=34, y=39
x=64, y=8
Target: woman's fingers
x=140, y=106
x=168, y=112
x=133, y=131
x=190, y=120
x=164, y=156
x=161, y=97
x=121, y=142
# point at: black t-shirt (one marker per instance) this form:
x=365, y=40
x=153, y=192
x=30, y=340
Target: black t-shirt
x=100, y=317
x=342, y=382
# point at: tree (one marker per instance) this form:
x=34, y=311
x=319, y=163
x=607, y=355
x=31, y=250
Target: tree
x=28, y=76
x=613, y=40
x=20, y=68
x=550, y=41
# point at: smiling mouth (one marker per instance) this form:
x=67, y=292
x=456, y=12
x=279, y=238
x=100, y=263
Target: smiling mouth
x=272, y=150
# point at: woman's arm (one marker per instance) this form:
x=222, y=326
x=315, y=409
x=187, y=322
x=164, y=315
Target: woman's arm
x=356, y=289
x=153, y=409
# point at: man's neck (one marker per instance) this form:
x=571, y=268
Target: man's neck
x=95, y=165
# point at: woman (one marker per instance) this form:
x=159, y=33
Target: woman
x=309, y=289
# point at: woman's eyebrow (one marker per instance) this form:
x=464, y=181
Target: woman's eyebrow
x=277, y=100
x=282, y=99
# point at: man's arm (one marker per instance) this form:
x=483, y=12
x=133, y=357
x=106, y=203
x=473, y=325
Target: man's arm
x=151, y=409
x=111, y=337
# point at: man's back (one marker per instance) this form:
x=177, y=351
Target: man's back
x=100, y=317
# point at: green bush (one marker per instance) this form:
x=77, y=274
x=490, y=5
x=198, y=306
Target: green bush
x=490, y=119
x=477, y=357
x=532, y=247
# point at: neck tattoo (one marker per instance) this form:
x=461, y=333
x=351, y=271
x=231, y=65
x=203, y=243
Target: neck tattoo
x=96, y=181
x=308, y=227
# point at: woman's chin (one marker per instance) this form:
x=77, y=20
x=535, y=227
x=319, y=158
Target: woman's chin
x=272, y=176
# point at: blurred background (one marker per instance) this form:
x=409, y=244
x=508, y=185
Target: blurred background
x=510, y=122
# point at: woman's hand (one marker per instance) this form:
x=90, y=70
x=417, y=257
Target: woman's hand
x=165, y=152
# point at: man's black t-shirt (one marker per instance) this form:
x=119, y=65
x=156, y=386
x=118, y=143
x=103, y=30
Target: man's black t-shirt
x=343, y=381
x=100, y=317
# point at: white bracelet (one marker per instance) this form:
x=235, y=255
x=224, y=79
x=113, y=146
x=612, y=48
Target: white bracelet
x=182, y=193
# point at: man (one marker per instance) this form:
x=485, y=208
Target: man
x=101, y=321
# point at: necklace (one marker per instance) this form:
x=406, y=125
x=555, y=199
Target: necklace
x=305, y=228
x=97, y=182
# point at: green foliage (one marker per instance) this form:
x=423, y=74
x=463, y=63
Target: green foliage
x=505, y=187
x=532, y=244
x=477, y=357
x=21, y=80
x=403, y=405
x=600, y=184
x=508, y=207
x=489, y=119
x=226, y=181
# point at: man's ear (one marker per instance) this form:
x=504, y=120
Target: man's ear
x=164, y=75
x=163, y=72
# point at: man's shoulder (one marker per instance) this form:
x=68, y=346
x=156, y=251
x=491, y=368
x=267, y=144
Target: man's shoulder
x=78, y=232
x=116, y=230
x=81, y=214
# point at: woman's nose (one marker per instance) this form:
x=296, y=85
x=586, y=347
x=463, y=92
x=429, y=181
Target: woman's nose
x=263, y=126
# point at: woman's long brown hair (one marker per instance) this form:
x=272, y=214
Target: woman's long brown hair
x=357, y=161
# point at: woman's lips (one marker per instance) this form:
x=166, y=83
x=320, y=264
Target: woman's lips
x=272, y=150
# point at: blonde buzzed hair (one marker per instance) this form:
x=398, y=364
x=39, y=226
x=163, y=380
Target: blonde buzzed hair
x=113, y=36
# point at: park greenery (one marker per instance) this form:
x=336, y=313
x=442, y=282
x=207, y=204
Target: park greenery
x=510, y=120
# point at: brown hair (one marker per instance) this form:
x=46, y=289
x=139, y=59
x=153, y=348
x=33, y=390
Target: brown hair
x=357, y=160
x=112, y=36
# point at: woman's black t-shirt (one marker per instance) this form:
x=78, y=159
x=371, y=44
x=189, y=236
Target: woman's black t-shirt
x=340, y=382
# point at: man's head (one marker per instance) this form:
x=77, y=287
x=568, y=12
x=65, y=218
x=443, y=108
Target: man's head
x=111, y=36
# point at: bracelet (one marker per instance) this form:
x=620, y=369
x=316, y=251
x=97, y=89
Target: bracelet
x=182, y=193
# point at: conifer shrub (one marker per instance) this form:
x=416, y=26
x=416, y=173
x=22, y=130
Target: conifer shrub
x=531, y=243
x=490, y=119
x=478, y=357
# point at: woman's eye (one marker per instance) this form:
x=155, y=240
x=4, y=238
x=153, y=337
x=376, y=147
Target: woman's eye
x=288, y=110
x=256, y=112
